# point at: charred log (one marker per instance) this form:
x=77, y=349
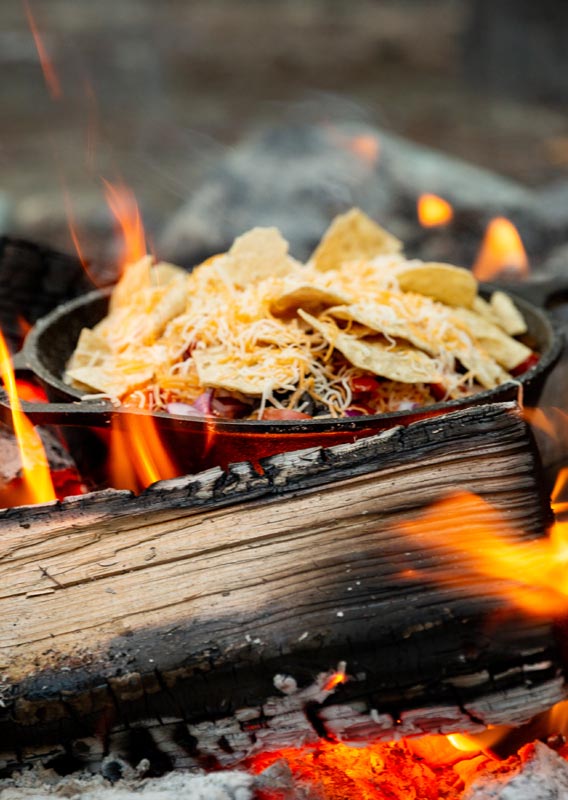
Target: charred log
x=212, y=609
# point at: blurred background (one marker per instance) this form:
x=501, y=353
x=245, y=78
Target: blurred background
x=205, y=109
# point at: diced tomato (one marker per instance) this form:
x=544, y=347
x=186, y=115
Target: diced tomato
x=364, y=384
x=527, y=364
x=283, y=413
x=438, y=391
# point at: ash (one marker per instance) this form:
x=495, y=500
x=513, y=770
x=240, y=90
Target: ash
x=41, y=784
x=543, y=775
x=538, y=774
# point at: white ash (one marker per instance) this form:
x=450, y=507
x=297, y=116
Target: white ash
x=543, y=776
x=42, y=784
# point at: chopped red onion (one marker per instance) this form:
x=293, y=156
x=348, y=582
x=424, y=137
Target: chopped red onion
x=200, y=408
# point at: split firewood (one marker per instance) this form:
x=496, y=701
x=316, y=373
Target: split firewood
x=230, y=611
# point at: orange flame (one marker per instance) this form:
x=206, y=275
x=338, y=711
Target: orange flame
x=37, y=486
x=122, y=203
x=334, y=680
x=75, y=236
x=137, y=456
x=533, y=574
x=434, y=211
x=502, y=250
x=49, y=74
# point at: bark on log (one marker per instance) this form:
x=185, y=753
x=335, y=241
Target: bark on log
x=156, y=624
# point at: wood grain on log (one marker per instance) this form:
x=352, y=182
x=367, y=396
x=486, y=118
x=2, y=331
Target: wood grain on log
x=180, y=606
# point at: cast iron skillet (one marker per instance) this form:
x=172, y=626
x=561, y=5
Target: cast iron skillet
x=52, y=340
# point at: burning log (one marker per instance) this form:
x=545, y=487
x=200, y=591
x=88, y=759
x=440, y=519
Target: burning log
x=228, y=611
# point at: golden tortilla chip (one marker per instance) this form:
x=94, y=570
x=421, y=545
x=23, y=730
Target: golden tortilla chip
x=454, y=286
x=383, y=320
x=483, y=368
x=506, y=351
x=259, y=253
x=308, y=297
x=482, y=307
x=113, y=380
x=353, y=236
x=134, y=278
x=170, y=305
x=398, y=363
x=508, y=315
x=164, y=273
x=91, y=350
x=252, y=374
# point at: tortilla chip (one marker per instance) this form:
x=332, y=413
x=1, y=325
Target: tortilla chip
x=259, y=253
x=253, y=374
x=388, y=324
x=90, y=351
x=482, y=307
x=398, y=363
x=164, y=273
x=454, y=286
x=308, y=297
x=353, y=236
x=170, y=305
x=506, y=351
x=111, y=380
x=508, y=315
x=483, y=368
x=134, y=278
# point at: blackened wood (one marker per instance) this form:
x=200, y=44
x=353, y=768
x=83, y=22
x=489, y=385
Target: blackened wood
x=180, y=606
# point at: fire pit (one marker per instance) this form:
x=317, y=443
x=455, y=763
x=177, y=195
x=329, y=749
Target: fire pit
x=157, y=628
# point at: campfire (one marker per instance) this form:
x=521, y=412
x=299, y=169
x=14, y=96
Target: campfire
x=380, y=615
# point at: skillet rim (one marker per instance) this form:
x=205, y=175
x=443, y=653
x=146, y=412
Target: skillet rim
x=31, y=357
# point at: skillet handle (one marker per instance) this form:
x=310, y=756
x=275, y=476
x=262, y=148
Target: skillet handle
x=540, y=292
x=19, y=361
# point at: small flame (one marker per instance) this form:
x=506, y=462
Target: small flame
x=434, y=211
x=36, y=478
x=137, y=455
x=73, y=232
x=502, y=250
x=49, y=74
x=334, y=680
x=122, y=203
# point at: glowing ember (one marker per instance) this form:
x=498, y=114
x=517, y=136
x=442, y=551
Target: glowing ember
x=501, y=251
x=463, y=743
x=383, y=770
x=124, y=207
x=49, y=73
x=37, y=486
x=434, y=211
